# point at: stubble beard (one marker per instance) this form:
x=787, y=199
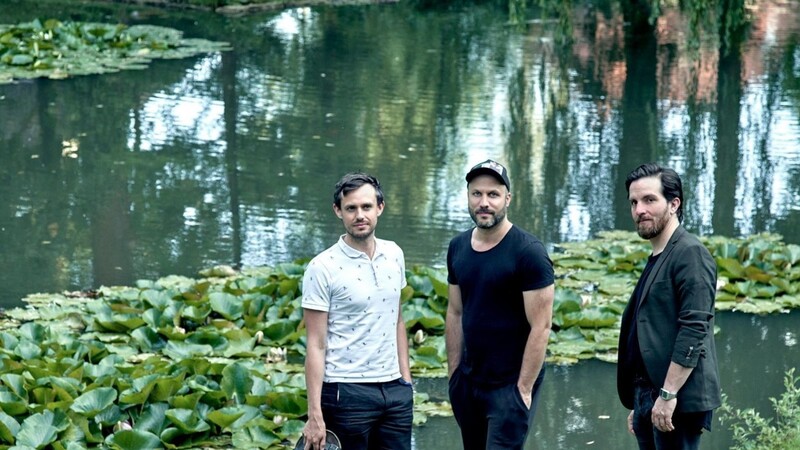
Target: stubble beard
x=360, y=235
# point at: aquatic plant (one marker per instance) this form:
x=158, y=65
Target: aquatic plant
x=56, y=49
x=216, y=361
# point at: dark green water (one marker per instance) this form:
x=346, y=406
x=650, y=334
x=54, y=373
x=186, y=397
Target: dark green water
x=230, y=158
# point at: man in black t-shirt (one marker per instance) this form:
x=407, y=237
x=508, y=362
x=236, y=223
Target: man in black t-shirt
x=498, y=317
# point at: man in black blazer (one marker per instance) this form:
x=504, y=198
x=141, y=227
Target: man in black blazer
x=667, y=372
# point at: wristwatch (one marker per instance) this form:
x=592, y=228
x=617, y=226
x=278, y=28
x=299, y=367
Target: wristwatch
x=667, y=395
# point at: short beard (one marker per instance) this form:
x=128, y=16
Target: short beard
x=497, y=218
x=659, y=223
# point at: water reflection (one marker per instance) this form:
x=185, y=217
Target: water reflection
x=230, y=158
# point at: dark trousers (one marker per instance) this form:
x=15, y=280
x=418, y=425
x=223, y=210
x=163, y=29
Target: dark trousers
x=369, y=416
x=685, y=436
x=491, y=417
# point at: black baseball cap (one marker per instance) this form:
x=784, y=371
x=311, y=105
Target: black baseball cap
x=492, y=168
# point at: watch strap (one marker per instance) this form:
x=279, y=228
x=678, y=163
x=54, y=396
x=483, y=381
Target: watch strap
x=667, y=395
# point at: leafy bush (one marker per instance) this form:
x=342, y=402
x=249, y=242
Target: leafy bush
x=753, y=432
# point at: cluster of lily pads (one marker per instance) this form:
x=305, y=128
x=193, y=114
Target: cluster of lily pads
x=57, y=49
x=757, y=274
x=216, y=361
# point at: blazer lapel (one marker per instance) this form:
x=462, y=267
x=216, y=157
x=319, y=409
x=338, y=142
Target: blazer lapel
x=660, y=263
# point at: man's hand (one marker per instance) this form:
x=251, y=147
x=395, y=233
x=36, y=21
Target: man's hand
x=661, y=416
x=630, y=424
x=314, y=432
x=527, y=396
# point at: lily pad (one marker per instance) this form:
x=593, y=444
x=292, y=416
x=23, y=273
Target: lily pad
x=58, y=49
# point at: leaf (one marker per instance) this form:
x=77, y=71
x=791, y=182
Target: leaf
x=9, y=428
x=281, y=330
x=590, y=318
x=223, y=415
x=226, y=416
x=181, y=350
x=133, y=440
x=148, y=339
x=758, y=307
x=254, y=437
x=153, y=418
x=425, y=356
x=38, y=430
x=423, y=286
x=186, y=401
x=236, y=382
x=792, y=252
x=109, y=416
x=566, y=301
x=187, y=420
x=158, y=299
x=21, y=60
x=94, y=401
x=288, y=286
x=166, y=387
x=16, y=383
x=27, y=350
x=227, y=305
x=12, y=404
x=730, y=267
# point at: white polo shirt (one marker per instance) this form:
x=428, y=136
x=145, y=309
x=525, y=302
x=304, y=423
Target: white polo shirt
x=362, y=299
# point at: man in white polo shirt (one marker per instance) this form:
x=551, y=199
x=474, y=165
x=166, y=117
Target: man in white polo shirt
x=357, y=371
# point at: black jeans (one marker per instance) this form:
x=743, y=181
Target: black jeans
x=688, y=426
x=492, y=417
x=369, y=416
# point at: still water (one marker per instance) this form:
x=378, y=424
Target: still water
x=229, y=158
x=579, y=408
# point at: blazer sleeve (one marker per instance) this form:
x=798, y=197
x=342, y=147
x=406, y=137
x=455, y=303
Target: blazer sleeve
x=695, y=274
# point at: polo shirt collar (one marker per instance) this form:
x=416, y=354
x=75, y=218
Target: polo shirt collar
x=353, y=253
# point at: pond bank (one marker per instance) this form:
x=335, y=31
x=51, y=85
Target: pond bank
x=239, y=9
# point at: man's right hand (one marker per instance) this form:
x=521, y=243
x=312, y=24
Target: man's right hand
x=630, y=424
x=314, y=432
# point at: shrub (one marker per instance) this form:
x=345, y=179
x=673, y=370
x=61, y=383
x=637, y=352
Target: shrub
x=753, y=432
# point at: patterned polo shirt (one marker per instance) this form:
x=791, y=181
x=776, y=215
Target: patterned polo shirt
x=362, y=299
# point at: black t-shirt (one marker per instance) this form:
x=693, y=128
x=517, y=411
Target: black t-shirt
x=635, y=353
x=491, y=282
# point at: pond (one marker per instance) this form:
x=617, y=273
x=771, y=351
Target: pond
x=580, y=409
x=230, y=158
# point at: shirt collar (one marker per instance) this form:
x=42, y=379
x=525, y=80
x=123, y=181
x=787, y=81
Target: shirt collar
x=353, y=253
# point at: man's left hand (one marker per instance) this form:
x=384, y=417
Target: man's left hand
x=661, y=416
x=527, y=396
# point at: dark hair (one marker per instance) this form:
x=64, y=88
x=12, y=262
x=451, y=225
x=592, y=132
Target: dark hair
x=671, y=186
x=352, y=181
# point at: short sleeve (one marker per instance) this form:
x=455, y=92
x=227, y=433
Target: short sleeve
x=316, y=287
x=537, y=268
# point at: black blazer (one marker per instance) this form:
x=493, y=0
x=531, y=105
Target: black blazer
x=676, y=324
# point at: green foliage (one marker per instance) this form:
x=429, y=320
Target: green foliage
x=753, y=432
x=758, y=275
x=172, y=363
x=217, y=361
x=56, y=49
